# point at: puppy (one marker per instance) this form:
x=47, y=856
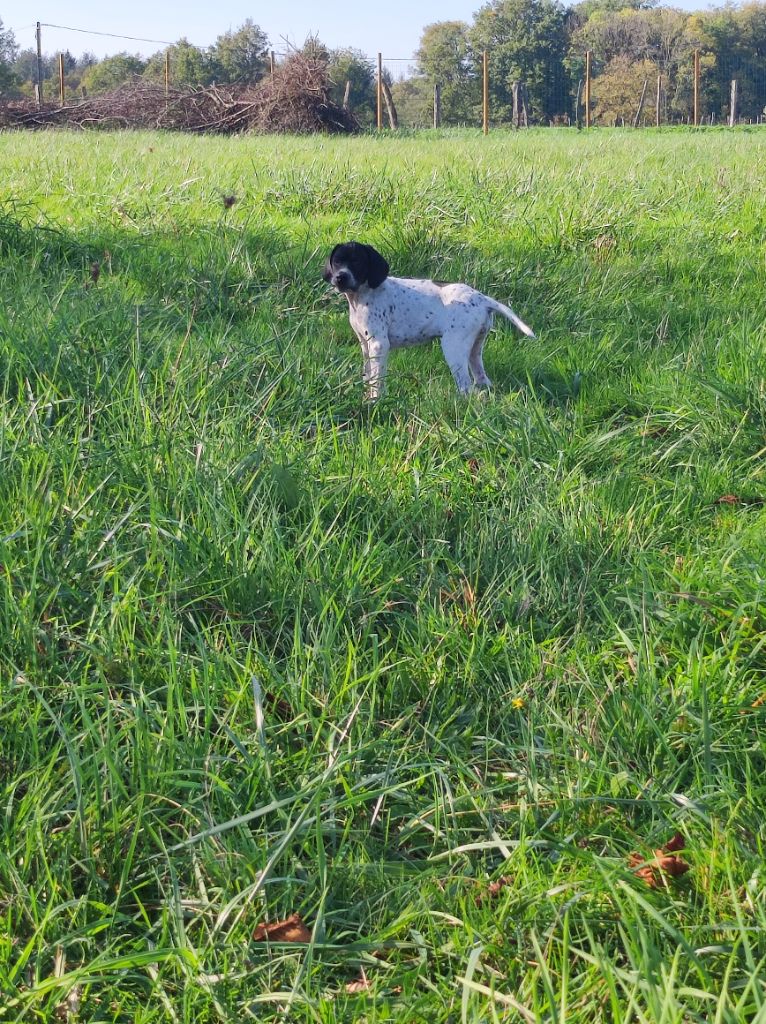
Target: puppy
x=392, y=312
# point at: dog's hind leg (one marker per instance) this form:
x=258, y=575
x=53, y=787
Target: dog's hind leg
x=476, y=363
x=456, y=351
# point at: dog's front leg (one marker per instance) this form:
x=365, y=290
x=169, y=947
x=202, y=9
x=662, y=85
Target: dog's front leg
x=365, y=357
x=376, y=364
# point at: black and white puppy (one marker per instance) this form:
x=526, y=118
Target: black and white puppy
x=391, y=312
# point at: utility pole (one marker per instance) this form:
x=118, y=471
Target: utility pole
x=39, y=66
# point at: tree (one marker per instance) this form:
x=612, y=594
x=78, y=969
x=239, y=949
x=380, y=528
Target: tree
x=189, y=65
x=25, y=69
x=414, y=100
x=240, y=56
x=617, y=91
x=353, y=66
x=112, y=72
x=445, y=59
x=527, y=41
x=8, y=52
x=737, y=37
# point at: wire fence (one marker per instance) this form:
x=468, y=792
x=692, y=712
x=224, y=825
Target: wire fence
x=696, y=87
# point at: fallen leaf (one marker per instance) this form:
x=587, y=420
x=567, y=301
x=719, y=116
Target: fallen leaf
x=665, y=864
x=292, y=929
x=494, y=889
x=739, y=499
x=362, y=984
x=678, y=842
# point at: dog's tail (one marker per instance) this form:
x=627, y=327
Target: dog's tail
x=508, y=313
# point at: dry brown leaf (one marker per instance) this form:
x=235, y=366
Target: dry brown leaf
x=362, y=984
x=678, y=842
x=494, y=889
x=739, y=499
x=292, y=929
x=665, y=864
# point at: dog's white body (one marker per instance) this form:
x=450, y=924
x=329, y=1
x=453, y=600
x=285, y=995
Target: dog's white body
x=409, y=311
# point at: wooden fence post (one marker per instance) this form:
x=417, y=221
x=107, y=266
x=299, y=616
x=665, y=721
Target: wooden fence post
x=39, y=90
x=380, y=92
x=637, y=118
x=696, y=88
x=437, y=105
x=733, y=103
x=485, y=93
x=271, y=62
x=578, y=104
x=587, y=87
x=62, y=94
x=658, y=107
x=393, y=117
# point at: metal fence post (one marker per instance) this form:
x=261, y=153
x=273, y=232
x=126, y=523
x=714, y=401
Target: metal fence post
x=587, y=87
x=380, y=91
x=696, y=88
x=39, y=66
x=485, y=92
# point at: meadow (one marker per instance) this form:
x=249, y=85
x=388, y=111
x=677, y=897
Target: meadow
x=435, y=675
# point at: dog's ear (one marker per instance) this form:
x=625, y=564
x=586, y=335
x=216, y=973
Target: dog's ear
x=327, y=272
x=377, y=267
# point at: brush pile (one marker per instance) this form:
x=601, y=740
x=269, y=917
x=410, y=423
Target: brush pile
x=294, y=99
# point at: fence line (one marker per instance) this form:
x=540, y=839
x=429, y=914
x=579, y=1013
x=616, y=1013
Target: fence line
x=587, y=106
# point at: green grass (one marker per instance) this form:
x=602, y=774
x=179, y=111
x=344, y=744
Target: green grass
x=265, y=650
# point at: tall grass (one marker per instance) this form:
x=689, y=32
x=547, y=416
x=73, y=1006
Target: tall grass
x=425, y=674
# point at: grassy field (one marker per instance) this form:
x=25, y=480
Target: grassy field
x=425, y=674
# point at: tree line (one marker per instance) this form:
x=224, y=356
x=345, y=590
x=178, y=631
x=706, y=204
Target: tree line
x=535, y=45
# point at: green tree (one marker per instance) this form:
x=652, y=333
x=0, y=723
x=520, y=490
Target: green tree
x=445, y=58
x=350, y=65
x=527, y=42
x=112, y=72
x=617, y=91
x=8, y=53
x=240, y=56
x=189, y=65
x=737, y=37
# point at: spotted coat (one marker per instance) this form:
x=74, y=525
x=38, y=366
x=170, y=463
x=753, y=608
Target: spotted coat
x=393, y=312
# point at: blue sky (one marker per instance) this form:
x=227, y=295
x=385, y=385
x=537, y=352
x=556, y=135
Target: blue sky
x=393, y=26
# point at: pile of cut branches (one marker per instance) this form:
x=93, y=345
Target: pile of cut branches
x=296, y=98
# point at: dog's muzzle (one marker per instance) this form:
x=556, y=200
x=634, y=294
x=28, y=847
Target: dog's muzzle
x=344, y=281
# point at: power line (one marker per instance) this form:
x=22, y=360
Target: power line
x=165, y=42
x=112, y=35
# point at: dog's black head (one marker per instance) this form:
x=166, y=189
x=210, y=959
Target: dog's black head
x=353, y=264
